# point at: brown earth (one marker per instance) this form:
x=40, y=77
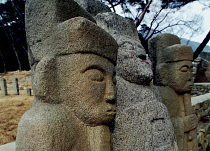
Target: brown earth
x=12, y=107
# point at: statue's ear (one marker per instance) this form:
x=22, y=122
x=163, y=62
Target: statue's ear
x=162, y=74
x=43, y=74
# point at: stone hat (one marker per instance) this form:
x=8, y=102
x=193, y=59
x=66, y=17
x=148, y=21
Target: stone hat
x=76, y=35
x=176, y=53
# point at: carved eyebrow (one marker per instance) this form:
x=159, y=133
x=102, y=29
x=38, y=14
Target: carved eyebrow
x=94, y=67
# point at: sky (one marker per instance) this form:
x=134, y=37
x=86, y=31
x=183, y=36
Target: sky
x=197, y=8
x=194, y=8
x=3, y=1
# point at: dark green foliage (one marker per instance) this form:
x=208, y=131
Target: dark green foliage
x=175, y=3
x=13, y=47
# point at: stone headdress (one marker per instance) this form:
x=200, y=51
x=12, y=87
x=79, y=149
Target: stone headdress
x=175, y=53
x=166, y=54
x=54, y=28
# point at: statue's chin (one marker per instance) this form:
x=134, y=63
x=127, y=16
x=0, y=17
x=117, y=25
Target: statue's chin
x=186, y=90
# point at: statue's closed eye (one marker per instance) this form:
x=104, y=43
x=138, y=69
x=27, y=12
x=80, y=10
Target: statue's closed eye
x=184, y=69
x=94, y=75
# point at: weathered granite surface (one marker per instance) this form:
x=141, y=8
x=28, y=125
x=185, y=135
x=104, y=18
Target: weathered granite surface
x=93, y=6
x=42, y=19
x=174, y=78
x=133, y=63
x=142, y=121
x=73, y=78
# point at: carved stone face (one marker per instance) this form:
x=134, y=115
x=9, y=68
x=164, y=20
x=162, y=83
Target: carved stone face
x=180, y=77
x=87, y=87
x=133, y=64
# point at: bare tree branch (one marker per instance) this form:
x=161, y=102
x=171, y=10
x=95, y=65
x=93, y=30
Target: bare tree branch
x=16, y=9
x=112, y=6
x=153, y=20
x=159, y=31
x=117, y=4
x=157, y=26
x=143, y=14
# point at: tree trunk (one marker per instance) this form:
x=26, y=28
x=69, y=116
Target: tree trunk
x=5, y=70
x=201, y=46
x=11, y=40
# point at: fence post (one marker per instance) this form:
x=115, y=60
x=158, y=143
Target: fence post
x=29, y=91
x=3, y=86
x=15, y=86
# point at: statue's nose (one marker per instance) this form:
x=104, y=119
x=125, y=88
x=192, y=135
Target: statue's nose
x=190, y=75
x=110, y=94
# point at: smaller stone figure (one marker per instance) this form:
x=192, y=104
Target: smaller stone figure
x=142, y=122
x=174, y=78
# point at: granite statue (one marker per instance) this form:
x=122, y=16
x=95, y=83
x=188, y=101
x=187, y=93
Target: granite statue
x=73, y=77
x=175, y=79
x=142, y=121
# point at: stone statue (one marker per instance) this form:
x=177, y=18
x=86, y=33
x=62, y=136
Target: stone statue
x=142, y=121
x=93, y=6
x=174, y=78
x=73, y=77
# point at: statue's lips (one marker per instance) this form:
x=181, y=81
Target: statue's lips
x=189, y=87
x=111, y=111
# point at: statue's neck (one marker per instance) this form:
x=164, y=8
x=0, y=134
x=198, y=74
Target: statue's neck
x=93, y=138
x=99, y=138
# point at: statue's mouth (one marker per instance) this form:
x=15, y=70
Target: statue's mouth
x=111, y=111
x=190, y=85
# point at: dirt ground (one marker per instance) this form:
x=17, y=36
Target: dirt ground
x=12, y=107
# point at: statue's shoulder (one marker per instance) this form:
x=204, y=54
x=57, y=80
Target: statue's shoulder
x=40, y=112
x=46, y=125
